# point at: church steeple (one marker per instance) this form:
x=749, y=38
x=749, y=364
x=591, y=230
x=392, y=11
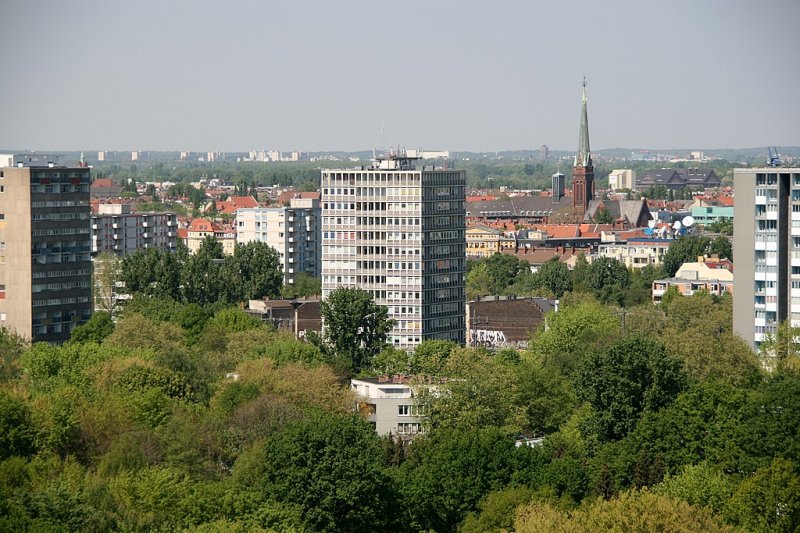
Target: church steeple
x=584, y=156
x=583, y=171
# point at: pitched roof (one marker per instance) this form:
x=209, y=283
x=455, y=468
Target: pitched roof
x=518, y=206
x=233, y=203
x=628, y=211
x=539, y=256
x=286, y=196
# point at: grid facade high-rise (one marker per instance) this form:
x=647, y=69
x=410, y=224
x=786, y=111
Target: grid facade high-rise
x=398, y=232
x=45, y=250
x=766, y=251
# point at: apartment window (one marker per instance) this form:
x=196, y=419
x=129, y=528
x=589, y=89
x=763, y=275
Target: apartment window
x=404, y=410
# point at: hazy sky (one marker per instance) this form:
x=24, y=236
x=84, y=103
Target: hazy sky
x=459, y=75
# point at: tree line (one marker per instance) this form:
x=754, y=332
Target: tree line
x=180, y=416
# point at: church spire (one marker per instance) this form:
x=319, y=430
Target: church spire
x=584, y=157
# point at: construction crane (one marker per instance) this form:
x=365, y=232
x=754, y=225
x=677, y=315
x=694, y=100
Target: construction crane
x=774, y=159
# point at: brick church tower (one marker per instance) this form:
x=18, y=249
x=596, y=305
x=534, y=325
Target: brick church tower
x=582, y=170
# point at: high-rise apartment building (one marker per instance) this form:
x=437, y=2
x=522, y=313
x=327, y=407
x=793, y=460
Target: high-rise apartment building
x=117, y=231
x=766, y=250
x=398, y=231
x=45, y=250
x=293, y=230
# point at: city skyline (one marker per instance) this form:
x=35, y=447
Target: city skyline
x=464, y=76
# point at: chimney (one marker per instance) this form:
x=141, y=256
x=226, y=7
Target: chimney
x=383, y=379
x=396, y=378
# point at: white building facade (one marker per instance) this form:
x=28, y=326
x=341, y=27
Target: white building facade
x=398, y=232
x=293, y=231
x=389, y=404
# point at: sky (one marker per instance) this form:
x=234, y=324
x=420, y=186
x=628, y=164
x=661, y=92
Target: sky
x=458, y=75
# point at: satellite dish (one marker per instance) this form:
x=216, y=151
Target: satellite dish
x=688, y=221
x=651, y=224
x=677, y=225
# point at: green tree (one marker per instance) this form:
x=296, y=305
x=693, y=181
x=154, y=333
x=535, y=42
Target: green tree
x=17, y=431
x=152, y=272
x=723, y=225
x=11, y=348
x=633, y=511
x=769, y=500
x=254, y=271
x=105, y=277
x=609, y=279
x=96, y=329
x=631, y=377
x=448, y=473
x=701, y=484
x=331, y=466
x=201, y=280
x=430, y=357
x=355, y=327
x=479, y=282
x=503, y=269
x=721, y=247
x=555, y=277
x=684, y=249
x=304, y=285
x=579, y=274
x=579, y=327
x=602, y=216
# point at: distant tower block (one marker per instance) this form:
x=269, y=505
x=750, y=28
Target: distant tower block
x=559, y=182
x=544, y=152
x=583, y=170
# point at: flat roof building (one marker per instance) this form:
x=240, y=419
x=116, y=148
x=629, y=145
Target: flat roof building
x=45, y=249
x=398, y=231
x=766, y=248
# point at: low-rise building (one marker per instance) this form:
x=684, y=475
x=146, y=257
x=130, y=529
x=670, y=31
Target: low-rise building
x=298, y=316
x=713, y=277
x=710, y=214
x=505, y=321
x=390, y=404
x=483, y=241
x=636, y=253
x=200, y=228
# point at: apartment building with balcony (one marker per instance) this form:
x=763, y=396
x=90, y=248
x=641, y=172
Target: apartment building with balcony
x=118, y=231
x=45, y=248
x=397, y=231
x=766, y=248
x=293, y=230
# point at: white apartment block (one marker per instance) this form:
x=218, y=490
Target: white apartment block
x=117, y=231
x=293, y=231
x=398, y=232
x=766, y=226
x=622, y=179
x=389, y=404
x=636, y=253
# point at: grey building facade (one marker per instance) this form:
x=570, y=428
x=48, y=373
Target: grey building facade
x=45, y=250
x=766, y=249
x=118, y=231
x=398, y=231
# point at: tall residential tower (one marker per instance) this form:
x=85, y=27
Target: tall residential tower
x=45, y=250
x=766, y=248
x=398, y=232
